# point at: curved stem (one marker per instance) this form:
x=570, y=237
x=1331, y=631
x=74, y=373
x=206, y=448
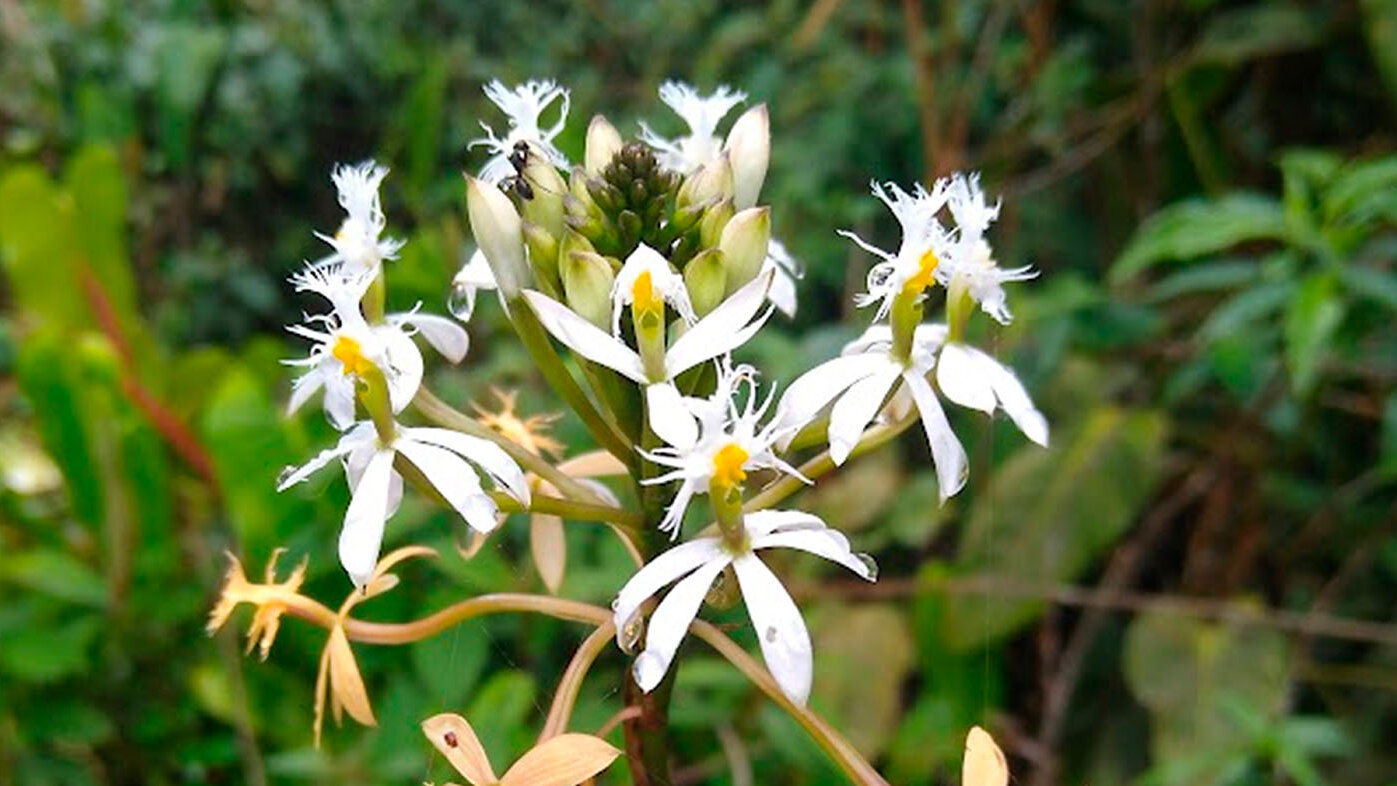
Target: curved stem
x=565, y=698
x=443, y=414
x=822, y=463
x=844, y=754
x=579, y=511
x=839, y=749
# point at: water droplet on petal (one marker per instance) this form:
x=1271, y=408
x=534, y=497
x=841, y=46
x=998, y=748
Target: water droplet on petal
x=628, y=637
x=285, y=474
x=870, y=567
x=461, y=301
x=649, y=669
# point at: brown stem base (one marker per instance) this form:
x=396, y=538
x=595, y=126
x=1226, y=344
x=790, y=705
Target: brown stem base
x=647, y=734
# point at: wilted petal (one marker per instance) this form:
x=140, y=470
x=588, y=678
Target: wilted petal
x=584, y=338
x=454, y=737
x=346, y=684
x=780, y=629
x=564, y=760
x=671, y=620
x=549, y=547
x=984, y=762
x=952, y=466
x=362, y=534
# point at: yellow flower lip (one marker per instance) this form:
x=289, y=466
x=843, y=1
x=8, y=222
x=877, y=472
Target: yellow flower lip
x=727, y=465
x=646, y=299
x=350, y=354
x=918, y=282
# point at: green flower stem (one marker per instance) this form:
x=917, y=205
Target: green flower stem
x=372, y=390
x=822, y=463
x=565, y=697
x=568, y=509
x=905, y=317
x=375, y=299
x=535, y=340
x=443, y=414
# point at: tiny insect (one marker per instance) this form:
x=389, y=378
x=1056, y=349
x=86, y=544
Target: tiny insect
x=517, y=182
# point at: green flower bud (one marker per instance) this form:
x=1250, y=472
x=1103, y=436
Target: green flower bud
x=713, y=180
x=500, y=234
x=603, y=143
x=545, y=207
x=572, y=242
x=744, y=242
x=714, y=220
x=705, y=277
x=587, y=280
x=543, y=254
x=749, y=147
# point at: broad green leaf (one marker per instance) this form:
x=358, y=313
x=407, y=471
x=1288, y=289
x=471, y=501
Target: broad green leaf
x=57, y=574
x=39, y=249
x=1046, y=515
x=45, y=651
x=866, y=653
x=1380, y=26
x=1378, y=285
x=50, y=377
x=1206, y=277
x=1187, y=672
x=1312, y=317
x=1236, y=36
x=247, y=437
x=186, y=59
x=1240, y=311
x=498, y=712
x=1362, y=191
x=1198, y=227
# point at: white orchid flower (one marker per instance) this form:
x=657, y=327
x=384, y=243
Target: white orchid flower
x=860, y=380
x=444, y=458
x=647, y=276
x=345, y=342
x=346, y=346
x=969, y=266
x=924, y=242
x=725, y=328
x=781, y=631
x=702, y=114
x=721, y=441
x=524, y=106
x=358, y=245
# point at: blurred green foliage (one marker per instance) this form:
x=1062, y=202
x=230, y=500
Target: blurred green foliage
x=1209, y=187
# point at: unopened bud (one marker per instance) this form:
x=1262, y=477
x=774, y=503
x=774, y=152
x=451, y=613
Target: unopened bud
x=713, y=180
x=573, y=241
x=749, y=147
x=705, y=278
x=603, y=143
x=499, y=233
x=543, y=252
x=547, y=187
x=744, y=242
x=714, y=220
x=587, y=282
